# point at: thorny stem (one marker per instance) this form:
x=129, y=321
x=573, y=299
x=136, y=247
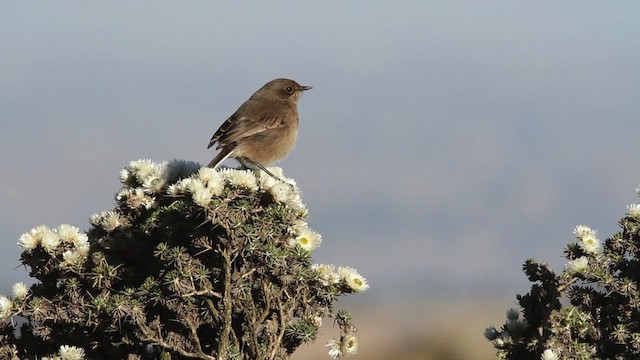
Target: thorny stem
x=283, y=325
x=254, y=332
x=212, y=308
x=226, y=300
x=158, y=341
x=267, y=306
x=203, y=292
x=194, y=335
x=569, y=283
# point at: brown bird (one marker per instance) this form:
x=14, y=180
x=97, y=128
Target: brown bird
x=264, y=129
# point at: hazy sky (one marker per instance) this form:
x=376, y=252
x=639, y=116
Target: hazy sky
x=443, y=144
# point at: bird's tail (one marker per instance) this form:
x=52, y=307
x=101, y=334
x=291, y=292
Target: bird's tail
x=222, y=155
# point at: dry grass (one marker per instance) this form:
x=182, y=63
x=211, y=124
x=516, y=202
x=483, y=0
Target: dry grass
x=411, y=330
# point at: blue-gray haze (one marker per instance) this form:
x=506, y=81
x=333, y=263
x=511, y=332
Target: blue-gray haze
x=444, y=143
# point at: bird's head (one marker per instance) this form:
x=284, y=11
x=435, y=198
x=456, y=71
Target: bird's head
x=284, y=89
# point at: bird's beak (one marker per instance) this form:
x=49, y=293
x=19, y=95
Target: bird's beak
x=306, y=88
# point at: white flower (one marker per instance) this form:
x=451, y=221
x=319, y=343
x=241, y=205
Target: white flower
x=633, y=210
x=81, y=241
x=96, y=219
x=205, y=177
x=295, y=200
x=83, y=250
x=577, y=265
x=308, y=240
x=123, y=194
x=141, y=169
x=174, y=190
x=154, y=184
x=212, y=179
x=155, y=180
x=69, y=258
x=40, y=235
x=67, y=232
x=152, y=176
x=192, y=184
x=327, y=274
x=28, y=242
x=302, y=209
x=73, y=257
x=299, y=226
x=71, y=353
x=334, y=349
x=50, y=240
x=281, y=192
x=513, y=314
x=332, y=278
x=349, y=345
x=267, y=181
x=549, y=354
x=202, y=196
x=241, y=178
x=503, y=340
x=316, y=321
x=324, y=270
x=590, y=244
x=581, y=231
x=71, y=234
x=110, y=220
x=135, y=198
x=5, y=307
x=125, y=176
x=19, y=290
x=353, y=279
x=39, y=232
x=491, y=333
x=180, y=187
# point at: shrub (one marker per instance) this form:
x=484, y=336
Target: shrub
x=589, y=311
x=192, y=263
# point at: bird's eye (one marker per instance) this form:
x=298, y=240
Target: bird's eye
x=289, y=90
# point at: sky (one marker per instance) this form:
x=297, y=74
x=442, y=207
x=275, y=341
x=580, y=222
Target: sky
x=443, y=144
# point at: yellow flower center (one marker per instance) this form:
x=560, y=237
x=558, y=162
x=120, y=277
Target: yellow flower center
x=357, y=281
x=304, y=241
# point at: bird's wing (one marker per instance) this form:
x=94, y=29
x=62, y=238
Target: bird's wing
x=236, y=128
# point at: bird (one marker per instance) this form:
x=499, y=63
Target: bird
x=264, y=128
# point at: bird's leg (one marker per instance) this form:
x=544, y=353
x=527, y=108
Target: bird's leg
x=250, y=164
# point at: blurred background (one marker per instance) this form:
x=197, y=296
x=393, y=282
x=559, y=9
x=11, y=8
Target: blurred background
x=443, y=144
